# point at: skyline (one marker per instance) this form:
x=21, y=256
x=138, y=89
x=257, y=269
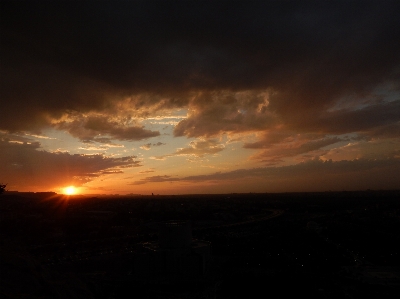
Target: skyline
x=199, y=97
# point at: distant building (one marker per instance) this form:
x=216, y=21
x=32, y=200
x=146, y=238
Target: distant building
x=175, y=255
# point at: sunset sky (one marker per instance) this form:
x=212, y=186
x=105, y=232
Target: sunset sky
x=200, y=97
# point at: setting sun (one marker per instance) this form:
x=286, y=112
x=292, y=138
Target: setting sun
x=71, y=190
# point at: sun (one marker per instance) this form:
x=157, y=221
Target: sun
x=71, y=190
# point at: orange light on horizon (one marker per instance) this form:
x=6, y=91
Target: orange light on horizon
x=70, y=190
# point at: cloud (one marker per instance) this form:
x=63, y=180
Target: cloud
x=367, y=149
x=198, y=148
x=158, y=144
x=385, y=131
x=146, y=171
x=26, y=167
x=358, y=120
x=149, y=145
x=155, y=179
x=103, y=147
x=92, y=127
x=146, y=146
x=212, y=113
x=312, y=175
x=217, y=60
x=270, y=137
x=294, y=148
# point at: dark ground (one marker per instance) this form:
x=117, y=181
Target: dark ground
x=324, y=245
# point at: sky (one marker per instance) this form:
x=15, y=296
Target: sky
x=178, y=97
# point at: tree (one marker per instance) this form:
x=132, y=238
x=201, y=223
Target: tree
x=2, y=188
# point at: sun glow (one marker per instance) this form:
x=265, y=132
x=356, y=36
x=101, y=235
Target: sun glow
x=71, y=190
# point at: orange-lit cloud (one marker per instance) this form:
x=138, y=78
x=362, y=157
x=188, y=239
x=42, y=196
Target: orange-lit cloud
x=89, y=129
x=26, y=166
x=198, y=148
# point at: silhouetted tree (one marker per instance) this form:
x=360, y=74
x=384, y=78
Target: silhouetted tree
x=2, y=188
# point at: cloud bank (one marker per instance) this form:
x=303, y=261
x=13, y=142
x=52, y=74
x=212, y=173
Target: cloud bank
x=307, y=57
x=24, y=164
x=309, y=176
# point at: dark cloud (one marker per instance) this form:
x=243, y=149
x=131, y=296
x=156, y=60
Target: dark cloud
x=147, y=146
x=226, y=111
x=158, y=144
x=155, y=179
x=89, y=129
x=28, y=167
x=385, y=131
x=274, y=136
x=313, y=175
x=81, y=56
x=359, y=120
x=294, y=148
